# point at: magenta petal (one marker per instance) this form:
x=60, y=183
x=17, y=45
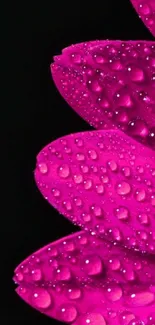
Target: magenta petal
x=81, y=277
x=111, y=84
x=103, y=181
x=146, y=11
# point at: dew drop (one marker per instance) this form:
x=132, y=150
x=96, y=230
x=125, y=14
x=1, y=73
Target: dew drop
x=114, y=293
x=140, y=299
x=88, y=184
x=74, y=293
x=63, y=273
x=36, y=275
x=80, y=157
x=140, y=195
x=43, y=168
x=143, y=219
x=123, y=188
x=112, y=165
x=99, y=188
x=78, y=178
x=67, y=313
x=92, y=154
x=122, y=213
x=97, y=211
x=64, y=171
x=92, y=265
x=41, y=298
x=126, y=317
x=136, y=74
x=114, y=264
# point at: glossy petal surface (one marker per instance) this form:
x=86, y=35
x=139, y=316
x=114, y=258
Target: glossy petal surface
x=103, y=181
x=111, y=84
x=146, y=11
x=81, y=278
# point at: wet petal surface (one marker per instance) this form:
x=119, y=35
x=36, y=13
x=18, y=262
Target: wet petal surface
x=83, y=279
x=103, y=181
x=111, y=84
x=146, y=11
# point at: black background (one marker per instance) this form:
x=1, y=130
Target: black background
x=35, y=114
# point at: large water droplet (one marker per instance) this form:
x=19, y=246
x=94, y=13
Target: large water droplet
x=140, y=299
x=64, y=171
x=41, y=298
x=114, y=293
x=67, y=313
x=140, y=195
x=63, y=273
x=92, y=265
x=123, y=188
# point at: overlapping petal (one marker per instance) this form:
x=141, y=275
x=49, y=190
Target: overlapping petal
x=82, y=278
x=104, y=181
x=111, y=84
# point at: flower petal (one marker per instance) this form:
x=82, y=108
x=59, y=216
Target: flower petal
x=111, y=84
x=104, y=181
x=146, y=11
x=81, y=278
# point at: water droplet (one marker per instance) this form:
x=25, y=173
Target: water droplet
x=88, y=184
x=56, y=192
x=97, y=211
x=140, y=299
x=114, y=263
x=99, y=188
x=41, y=298
x=144, y=9
x=126, y=317
x=92, y=265
x=63, y=273
x=114, y=293
x=136, y=74
x=43, y=168
x=67, y=205
x=138, y=128
x=80, y=157
x=36, y=275
x=140, y=195
x=86, y=217
x=92, y=154
x=123, y=188
x=126, y=171
x=112, y=165
x=78, y=178
x=64, y=171
x=19, y=276
x=74, y=293
x=67, y=313
x=94, y=86
x=143, y=218
x=84, y=168
x=153, y=200
x=76, y=58
x=78, y=201
x=122, y=213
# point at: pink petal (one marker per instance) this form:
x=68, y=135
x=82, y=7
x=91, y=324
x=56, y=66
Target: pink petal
x=81, y=278
x=111, y=84
x=146, y=11
x=103, y=181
